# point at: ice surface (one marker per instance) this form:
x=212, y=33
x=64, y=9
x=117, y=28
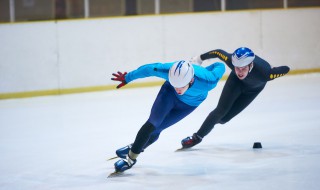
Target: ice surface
x=62, y=142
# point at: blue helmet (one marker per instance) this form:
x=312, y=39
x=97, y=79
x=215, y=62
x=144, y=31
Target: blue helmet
x=242, y=57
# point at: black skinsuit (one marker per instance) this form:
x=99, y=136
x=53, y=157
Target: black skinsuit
x=238, y=94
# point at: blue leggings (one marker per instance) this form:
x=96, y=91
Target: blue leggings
x=166, y=111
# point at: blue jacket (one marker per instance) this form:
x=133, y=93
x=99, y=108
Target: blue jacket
x=206, y=79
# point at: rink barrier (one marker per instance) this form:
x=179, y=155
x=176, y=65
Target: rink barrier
x=30, y=94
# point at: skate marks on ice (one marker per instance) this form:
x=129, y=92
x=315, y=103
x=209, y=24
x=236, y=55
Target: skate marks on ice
x=216, y=160
x=205, y=165
x=241, y=153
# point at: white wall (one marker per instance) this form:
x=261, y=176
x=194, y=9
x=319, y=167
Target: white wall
x=83, y=53
x=28, y=57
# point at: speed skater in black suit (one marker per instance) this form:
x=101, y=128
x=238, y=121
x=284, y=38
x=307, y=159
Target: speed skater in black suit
x=249, y=75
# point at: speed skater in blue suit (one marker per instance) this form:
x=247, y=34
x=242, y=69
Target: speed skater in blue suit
x=186, y=86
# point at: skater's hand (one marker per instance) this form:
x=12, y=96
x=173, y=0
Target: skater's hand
x=119, y=76
x=196, y=60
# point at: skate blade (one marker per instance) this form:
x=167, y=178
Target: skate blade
x=186, y=149
x=112, y=158
x=182, y=149
x=115, y=174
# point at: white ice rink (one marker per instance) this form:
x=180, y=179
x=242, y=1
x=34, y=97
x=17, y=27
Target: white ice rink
x=62, y=142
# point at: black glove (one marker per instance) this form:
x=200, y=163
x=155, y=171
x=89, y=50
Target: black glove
x=120, y=77
x=191, y=141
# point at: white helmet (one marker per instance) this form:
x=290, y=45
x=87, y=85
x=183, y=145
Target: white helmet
x=242, y=57
x=180, y=74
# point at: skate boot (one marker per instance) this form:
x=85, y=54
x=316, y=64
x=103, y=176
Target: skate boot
x=123, y=152
x=191, y=141
x=124, y=164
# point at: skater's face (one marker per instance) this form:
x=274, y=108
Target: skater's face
x=242, y=72
x=182, y=90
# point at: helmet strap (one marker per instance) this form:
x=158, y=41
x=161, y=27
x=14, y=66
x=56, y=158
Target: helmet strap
x=250, y=67
x=191, y=83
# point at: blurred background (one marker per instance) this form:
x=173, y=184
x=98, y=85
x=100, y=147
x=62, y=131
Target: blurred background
x=51, y=47
x=33, y=10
